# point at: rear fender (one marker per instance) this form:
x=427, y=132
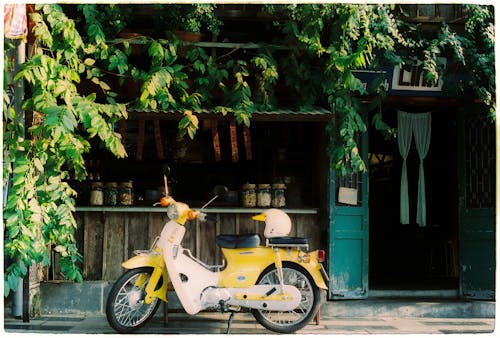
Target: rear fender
x=159, y=271
x=309, y=261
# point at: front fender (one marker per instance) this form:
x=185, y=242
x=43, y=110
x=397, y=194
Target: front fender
x=152, y=260
x=159, y=270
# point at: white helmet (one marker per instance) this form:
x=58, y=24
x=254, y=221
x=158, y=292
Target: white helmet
x=278, y=223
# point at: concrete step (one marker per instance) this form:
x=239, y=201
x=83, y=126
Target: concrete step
x=89, y=298
x=404, y=307
x=442, y=293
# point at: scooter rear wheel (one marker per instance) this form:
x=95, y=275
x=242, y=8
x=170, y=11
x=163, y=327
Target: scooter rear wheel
x=290, y=321
x=126, y=309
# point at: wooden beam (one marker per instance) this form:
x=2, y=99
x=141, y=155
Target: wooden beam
x=216, y=140
x=248, y=142
x=122, y=128
x=140, y=140
x=158, y=141
x=234, y=142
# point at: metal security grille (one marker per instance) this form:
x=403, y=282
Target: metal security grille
x=479, y=162
x=353, y=181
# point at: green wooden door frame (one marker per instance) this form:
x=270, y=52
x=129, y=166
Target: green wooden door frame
x=476, y=187
x=348, y=235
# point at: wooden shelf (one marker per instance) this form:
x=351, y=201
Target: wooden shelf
x=220, y=210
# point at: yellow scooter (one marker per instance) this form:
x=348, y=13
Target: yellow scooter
x=279, y=281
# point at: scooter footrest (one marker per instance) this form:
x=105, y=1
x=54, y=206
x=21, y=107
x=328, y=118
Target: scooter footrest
x=238, y=241
x=288, y=242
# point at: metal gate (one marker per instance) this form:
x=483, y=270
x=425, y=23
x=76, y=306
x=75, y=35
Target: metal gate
x=476, y=175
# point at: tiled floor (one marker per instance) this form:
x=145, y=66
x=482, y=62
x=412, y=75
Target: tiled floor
x=243, y=323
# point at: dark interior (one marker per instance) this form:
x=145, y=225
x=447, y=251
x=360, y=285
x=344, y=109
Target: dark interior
x=410, y=256
x=281, y=151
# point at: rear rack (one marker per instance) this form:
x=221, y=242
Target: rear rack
x=288, y=242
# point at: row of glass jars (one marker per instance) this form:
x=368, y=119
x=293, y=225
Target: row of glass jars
x=263, y=195
x=112, y=193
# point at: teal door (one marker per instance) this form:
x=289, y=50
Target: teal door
x=476, y=206
x=348, y=233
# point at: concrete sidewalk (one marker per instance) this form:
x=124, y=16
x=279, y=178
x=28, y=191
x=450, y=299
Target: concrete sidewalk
x=244, y=323
x=79, y=308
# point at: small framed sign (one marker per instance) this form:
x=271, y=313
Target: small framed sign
x=348, y=196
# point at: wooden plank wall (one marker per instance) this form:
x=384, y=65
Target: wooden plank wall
x=109, y=238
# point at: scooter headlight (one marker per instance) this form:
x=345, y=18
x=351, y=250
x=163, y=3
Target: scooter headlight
x=173, y=211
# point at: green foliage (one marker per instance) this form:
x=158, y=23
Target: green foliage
x=338, y=39
x=188, y=124
x=266, y=76
x=479, y=53
x=111, y=18
x=40, y=204
x=192, y=18
x=325, y=44
x=472, y=49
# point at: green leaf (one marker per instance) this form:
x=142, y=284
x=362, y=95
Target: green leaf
x=192, y=132
x=21, y=169
x=69, y=121
x=89, y=62
x=38, y=165
x=12, y=283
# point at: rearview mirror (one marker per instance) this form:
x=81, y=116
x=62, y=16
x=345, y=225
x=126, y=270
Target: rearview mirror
x=220, y=190
x=165, y=170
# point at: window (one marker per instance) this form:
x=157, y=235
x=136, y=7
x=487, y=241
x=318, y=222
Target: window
x=434, y=12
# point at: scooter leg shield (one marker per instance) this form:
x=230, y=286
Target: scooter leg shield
x=189, y=279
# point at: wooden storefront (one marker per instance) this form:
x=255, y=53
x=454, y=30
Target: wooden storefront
x=285, y=146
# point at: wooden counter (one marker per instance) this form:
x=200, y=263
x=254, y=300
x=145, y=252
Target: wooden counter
x=111, y=234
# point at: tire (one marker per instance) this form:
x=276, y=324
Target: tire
x=126, y=310
x=290, y=321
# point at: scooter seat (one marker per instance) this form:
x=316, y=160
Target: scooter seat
x=284, y=241
x=238, y=241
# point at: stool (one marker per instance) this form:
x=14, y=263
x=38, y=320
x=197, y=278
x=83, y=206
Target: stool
x=317, y=317
x=170, y=287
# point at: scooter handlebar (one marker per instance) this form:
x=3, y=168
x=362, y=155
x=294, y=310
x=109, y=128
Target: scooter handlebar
x=210, y=218
x=205, y=217
x=177, y=209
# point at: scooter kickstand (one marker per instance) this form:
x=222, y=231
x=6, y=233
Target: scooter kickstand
x=229, y=323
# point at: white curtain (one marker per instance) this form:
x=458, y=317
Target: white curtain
x=418, y=125
x=404, y=143
x=422, y=134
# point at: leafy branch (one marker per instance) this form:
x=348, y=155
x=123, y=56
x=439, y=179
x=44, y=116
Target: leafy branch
x=40, y=205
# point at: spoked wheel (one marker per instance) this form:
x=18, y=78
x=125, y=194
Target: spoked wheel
x=290, y=321
x=126, y=308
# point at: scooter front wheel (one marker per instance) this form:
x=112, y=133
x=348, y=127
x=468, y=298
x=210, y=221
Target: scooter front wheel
x=126, y=309
x=290, y=321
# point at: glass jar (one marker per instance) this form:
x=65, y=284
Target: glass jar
x=96, y=194
x=111, y=194
x=126, y=193
x=278, y=195
x=248, y=196
x=264, y=195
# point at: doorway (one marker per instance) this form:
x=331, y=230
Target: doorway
x=407, y=256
